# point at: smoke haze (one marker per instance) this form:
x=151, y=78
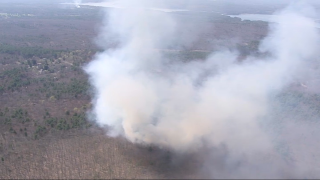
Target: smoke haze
x=77, y=3
x=238, y=110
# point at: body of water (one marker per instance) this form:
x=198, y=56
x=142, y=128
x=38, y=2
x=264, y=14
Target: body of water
x=121, y=6
x=271, y=18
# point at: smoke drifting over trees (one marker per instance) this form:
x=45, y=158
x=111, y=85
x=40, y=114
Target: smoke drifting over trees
x=239, y=110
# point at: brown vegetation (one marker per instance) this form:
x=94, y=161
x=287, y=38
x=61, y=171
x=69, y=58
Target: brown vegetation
x=44, y=96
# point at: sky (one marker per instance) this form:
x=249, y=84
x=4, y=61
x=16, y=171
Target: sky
x=251, y=2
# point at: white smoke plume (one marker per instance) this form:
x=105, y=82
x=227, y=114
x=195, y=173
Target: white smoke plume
x=77, y=3
x=142, y=95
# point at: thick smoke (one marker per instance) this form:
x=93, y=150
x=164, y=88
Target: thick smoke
x=148, y=98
